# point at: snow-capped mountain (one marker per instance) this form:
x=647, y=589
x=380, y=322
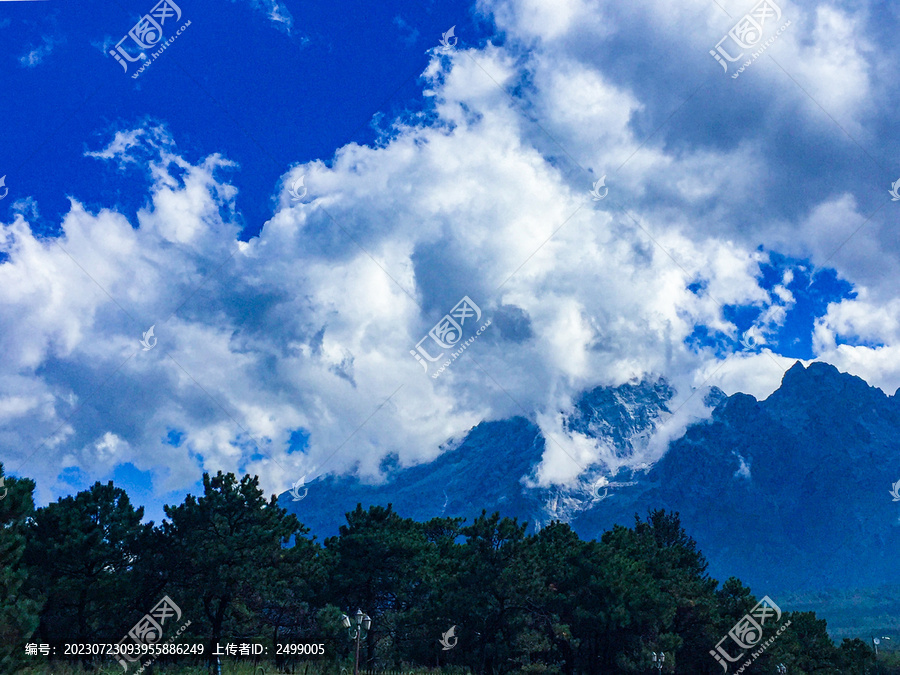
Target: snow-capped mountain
x=791, y=492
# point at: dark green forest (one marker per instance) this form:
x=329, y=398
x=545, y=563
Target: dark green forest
x=85, y=569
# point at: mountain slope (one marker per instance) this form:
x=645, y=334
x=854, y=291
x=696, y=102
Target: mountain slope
x=789, y=493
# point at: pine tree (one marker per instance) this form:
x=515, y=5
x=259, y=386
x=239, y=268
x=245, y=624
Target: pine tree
x=81, y=551
x=19, y=614
x=224, y=549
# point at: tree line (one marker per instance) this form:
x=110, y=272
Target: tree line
x=85, y=568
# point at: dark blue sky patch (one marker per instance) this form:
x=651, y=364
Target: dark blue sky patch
x=174, y=438
x=698, y=287
x=702, y=338
x=74, y=477
x=793, y=338
x=299, y=441
x=139, y=486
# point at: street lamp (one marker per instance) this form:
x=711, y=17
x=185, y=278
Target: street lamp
x=659, y=660
x=357, y=628
x=877, y=641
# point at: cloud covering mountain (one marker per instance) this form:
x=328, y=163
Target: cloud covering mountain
x=288, y=354
x=789, y=493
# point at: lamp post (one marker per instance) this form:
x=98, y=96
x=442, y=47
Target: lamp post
x=659, y=660
x=358, y=628
x=875, y=642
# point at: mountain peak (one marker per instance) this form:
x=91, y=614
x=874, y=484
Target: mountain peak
x=621, y=415
x=817, y=371
x=821, y=384
x=808, y=469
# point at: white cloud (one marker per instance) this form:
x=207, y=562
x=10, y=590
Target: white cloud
x=309, y=325
x=831, y=64
x=868, y=319
x=327, y=346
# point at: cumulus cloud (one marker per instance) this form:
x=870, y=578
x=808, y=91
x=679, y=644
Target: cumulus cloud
x=310, y=325
x=833, y=62
x=307, y=329
x=874, y=326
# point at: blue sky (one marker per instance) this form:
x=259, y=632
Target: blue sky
x=748, y=222
x=267, y=94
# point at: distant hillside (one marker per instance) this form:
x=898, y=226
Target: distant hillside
x=790, y=494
